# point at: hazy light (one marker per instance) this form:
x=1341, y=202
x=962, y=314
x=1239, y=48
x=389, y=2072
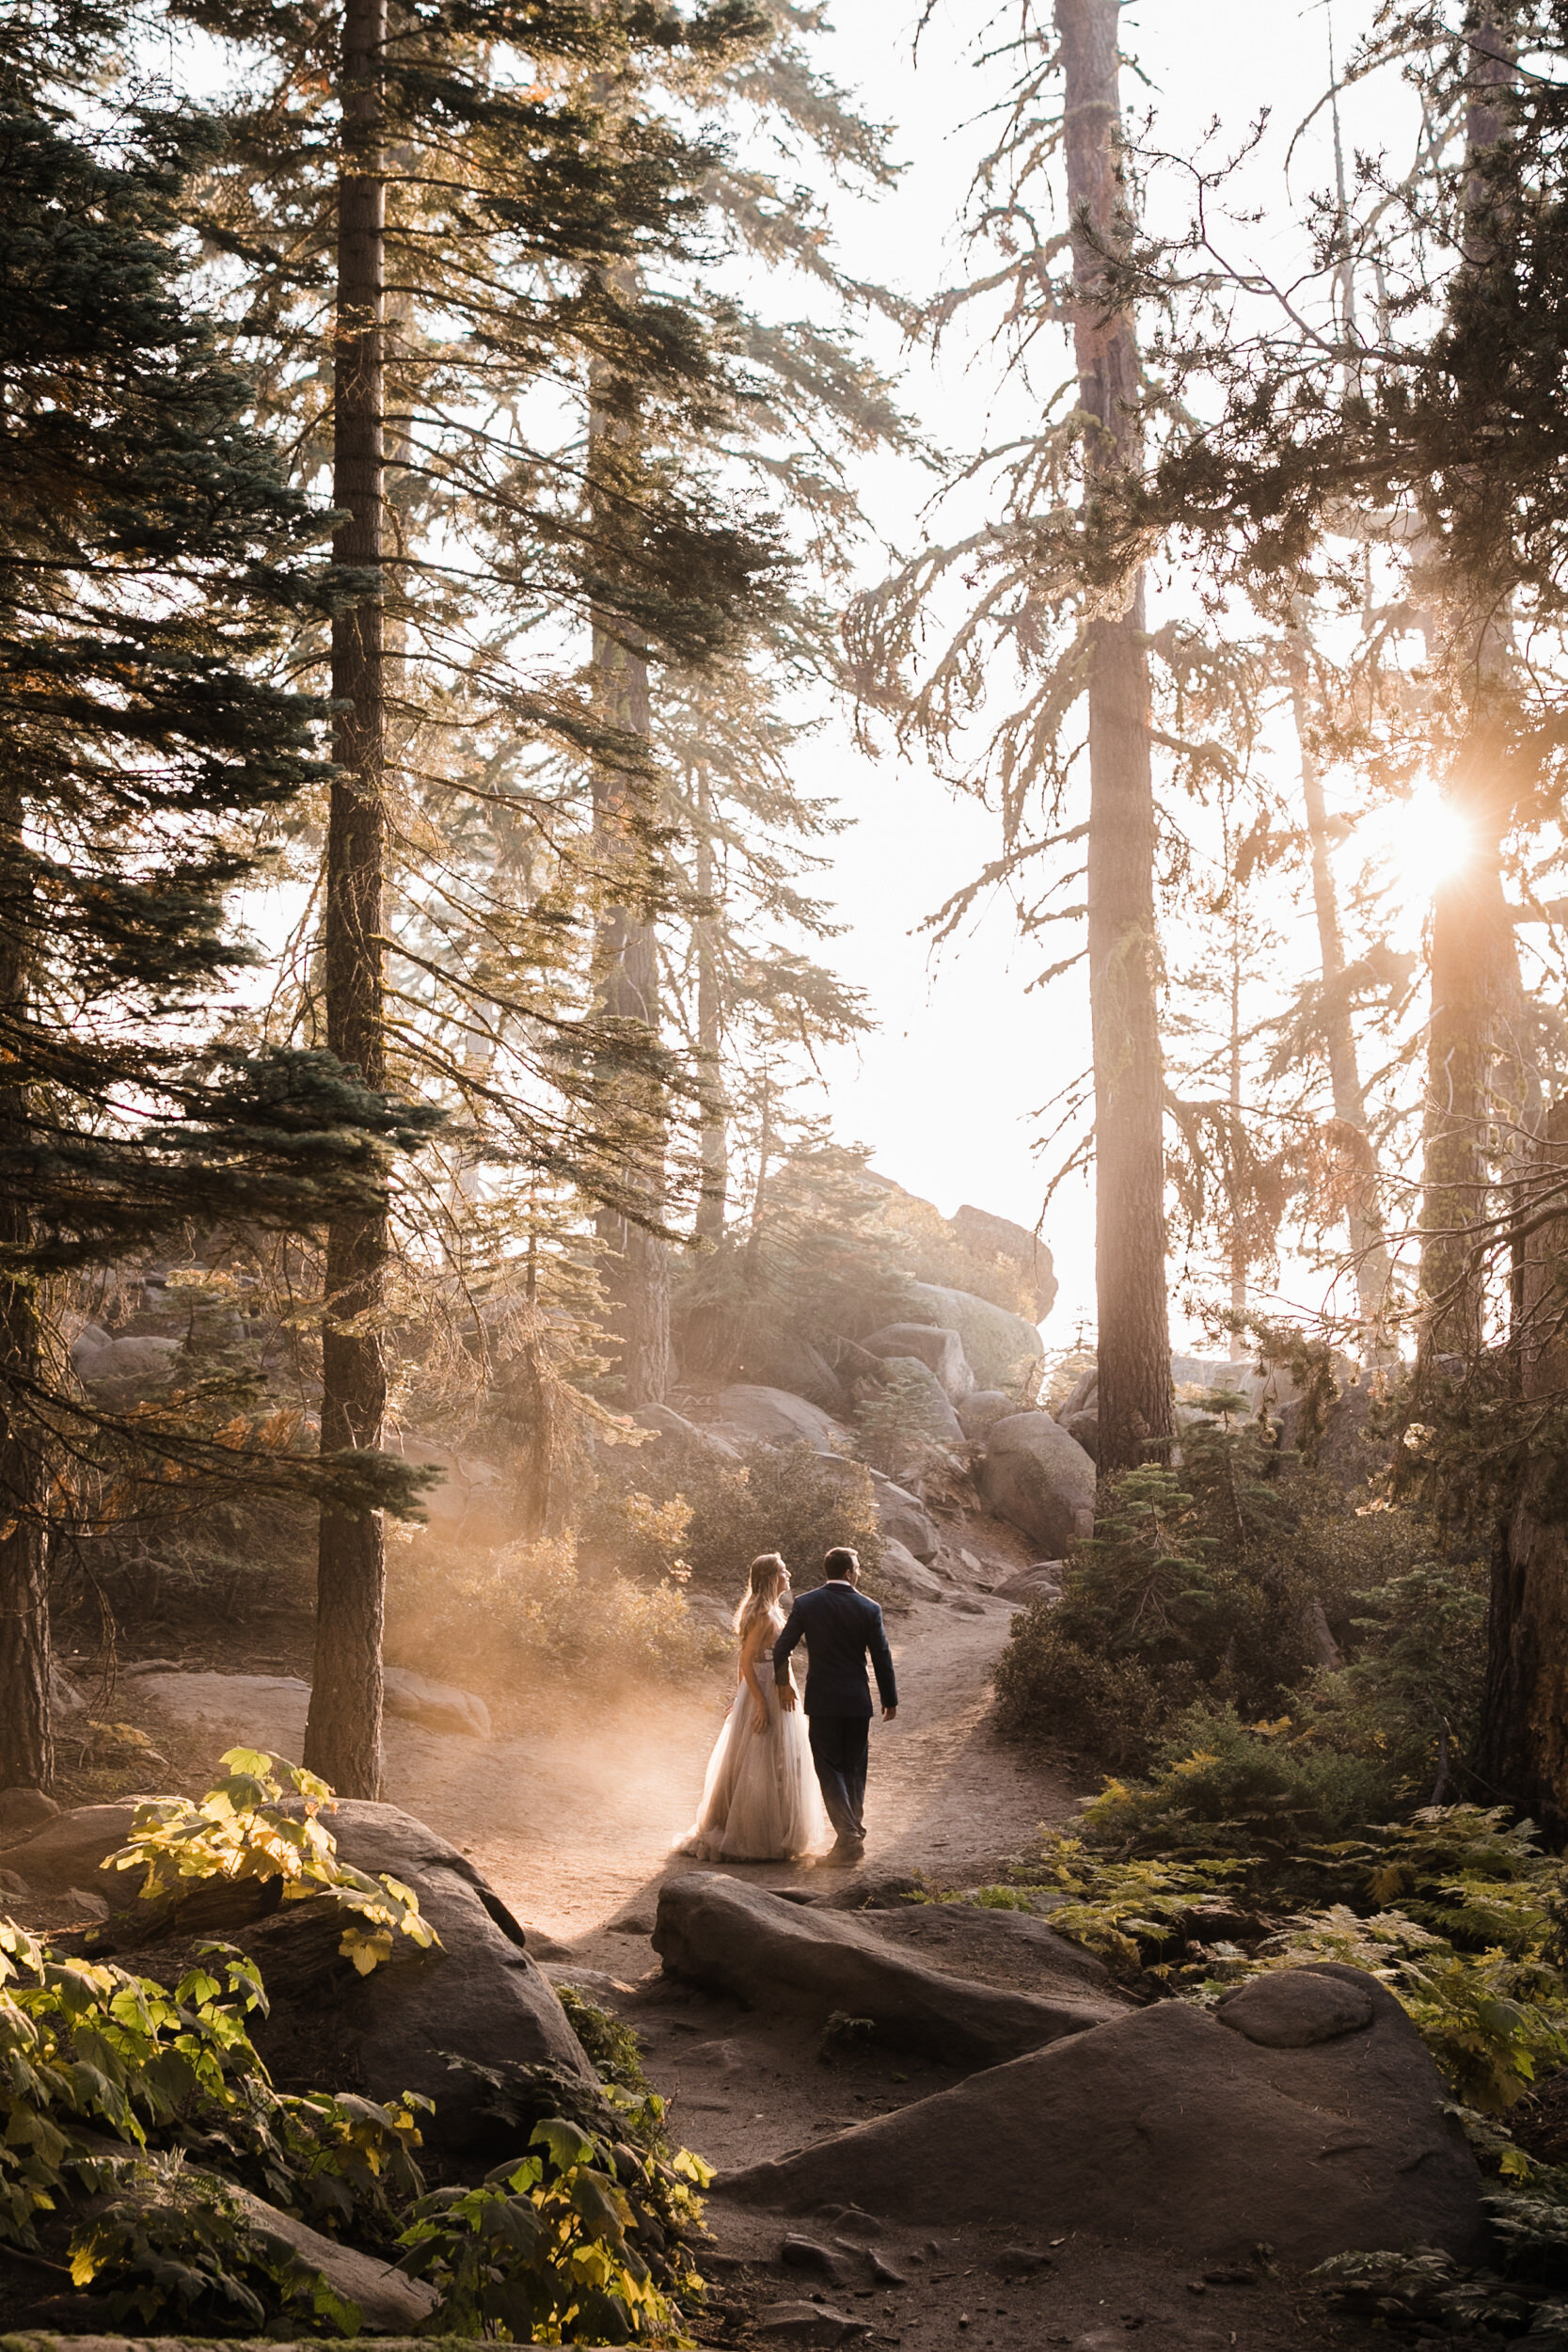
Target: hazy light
x=1425, y=840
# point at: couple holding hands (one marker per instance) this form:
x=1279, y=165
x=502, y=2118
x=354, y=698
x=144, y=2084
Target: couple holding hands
x=774, y=1790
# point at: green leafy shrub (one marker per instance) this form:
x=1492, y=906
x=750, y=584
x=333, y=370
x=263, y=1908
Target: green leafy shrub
x=532, y=1609
x=1222, y=1582
x=559, y=2246
x=1222, y=1787
x=1412, y=1694
x=106, y=2078
x=609, y=2046
x=154, y=2104
x=1051, y=1687
x=169, y=2238
x=241, y=1829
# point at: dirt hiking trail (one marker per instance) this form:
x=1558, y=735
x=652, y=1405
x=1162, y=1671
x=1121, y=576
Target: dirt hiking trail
x=573, y=1824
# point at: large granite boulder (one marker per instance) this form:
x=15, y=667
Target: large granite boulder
x=101, y=1361
x=937, y=1418
x=977, y=1412
x=899, y=1514
x=999, y=1345
x=264, y=1711
x=1309, y=2118
x=901, y=1573
x=1039, y=1479
x=439, y=1706
x=752, y=1415
x=778, y=1360
x=1040, y=1581
x=61, y=1846
x=940, y=1351
x=902, y=1518
x=774, y=1954
x=477, y=1997
x=1011, y=1948
x=989, y=1235
x=662, y=1421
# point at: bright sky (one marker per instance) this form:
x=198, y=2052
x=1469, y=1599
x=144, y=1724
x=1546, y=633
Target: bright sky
x=947, y=1090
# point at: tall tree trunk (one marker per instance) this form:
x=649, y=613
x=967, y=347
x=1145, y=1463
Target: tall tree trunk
x=1522, y=1752
x=27, y=1734
x=1238, y=1239
x=1476, y=1046
x=1136, y=1399
x=1369, y=1249
x=712, y=1201
x=637, y=1274
x=343, y=1736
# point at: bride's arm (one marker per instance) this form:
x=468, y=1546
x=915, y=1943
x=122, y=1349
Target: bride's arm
x=748, y=1649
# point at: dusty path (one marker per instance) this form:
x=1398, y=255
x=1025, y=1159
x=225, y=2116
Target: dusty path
x=572, y=1809
x=576, y=1831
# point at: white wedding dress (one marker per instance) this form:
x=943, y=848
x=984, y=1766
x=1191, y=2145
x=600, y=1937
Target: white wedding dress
x=760, y=1802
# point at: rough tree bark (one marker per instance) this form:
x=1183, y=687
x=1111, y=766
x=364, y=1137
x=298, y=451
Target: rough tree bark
x=1522, y=1751
x=712, y=1201
x=1476, y=1054
x=1136, y=1398
x=343, y=1737
x=26, y=1733
x=637, y=1269
x=1369, y=1249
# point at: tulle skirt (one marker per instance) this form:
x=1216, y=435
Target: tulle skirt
x=760, y=1802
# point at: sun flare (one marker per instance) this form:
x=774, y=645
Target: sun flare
x=1425, y=840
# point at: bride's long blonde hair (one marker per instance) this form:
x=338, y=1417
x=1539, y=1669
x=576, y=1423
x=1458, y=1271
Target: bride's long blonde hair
x=763, y=1583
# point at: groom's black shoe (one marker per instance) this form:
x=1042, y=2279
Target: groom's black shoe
x=845, y=1853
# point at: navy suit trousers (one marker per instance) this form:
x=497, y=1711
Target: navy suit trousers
x=840, y=1749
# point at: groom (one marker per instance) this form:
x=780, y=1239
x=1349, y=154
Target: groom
x=840, y=1627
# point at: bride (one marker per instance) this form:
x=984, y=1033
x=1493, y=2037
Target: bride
x=760, y=1802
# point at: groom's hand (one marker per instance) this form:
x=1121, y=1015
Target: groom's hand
x=786, y=1697
x=888, y=1714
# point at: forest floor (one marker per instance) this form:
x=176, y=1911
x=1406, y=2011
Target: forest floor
x=570, y=1811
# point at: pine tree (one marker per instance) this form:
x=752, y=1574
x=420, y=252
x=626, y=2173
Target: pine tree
x=1029, y=617
x=502, y=166
x=1440, y=440
x=152, y=560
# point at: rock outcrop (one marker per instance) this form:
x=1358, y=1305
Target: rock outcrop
x=662, y=1421
x=940, y=1421
x=1039, y=1479
x=998, y=1344
x=780, y=1360
x=1307, y=2116
x=978, y=1413
x=1006, y=1948
x=985, y=1232
x=478, y=1997
x=899, y=1514
x=902, y=1518
x=100, y=1361
x=940, y=1350
x=1040, y=1581
x=778, y=1955
x=903, y=1574
x=439, y=1706
x=751, y=1415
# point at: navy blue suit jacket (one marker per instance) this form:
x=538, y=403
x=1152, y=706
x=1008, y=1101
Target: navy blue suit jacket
x=841, y=1628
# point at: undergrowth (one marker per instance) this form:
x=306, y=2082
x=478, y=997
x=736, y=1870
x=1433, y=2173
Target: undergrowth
x=134, y=2118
